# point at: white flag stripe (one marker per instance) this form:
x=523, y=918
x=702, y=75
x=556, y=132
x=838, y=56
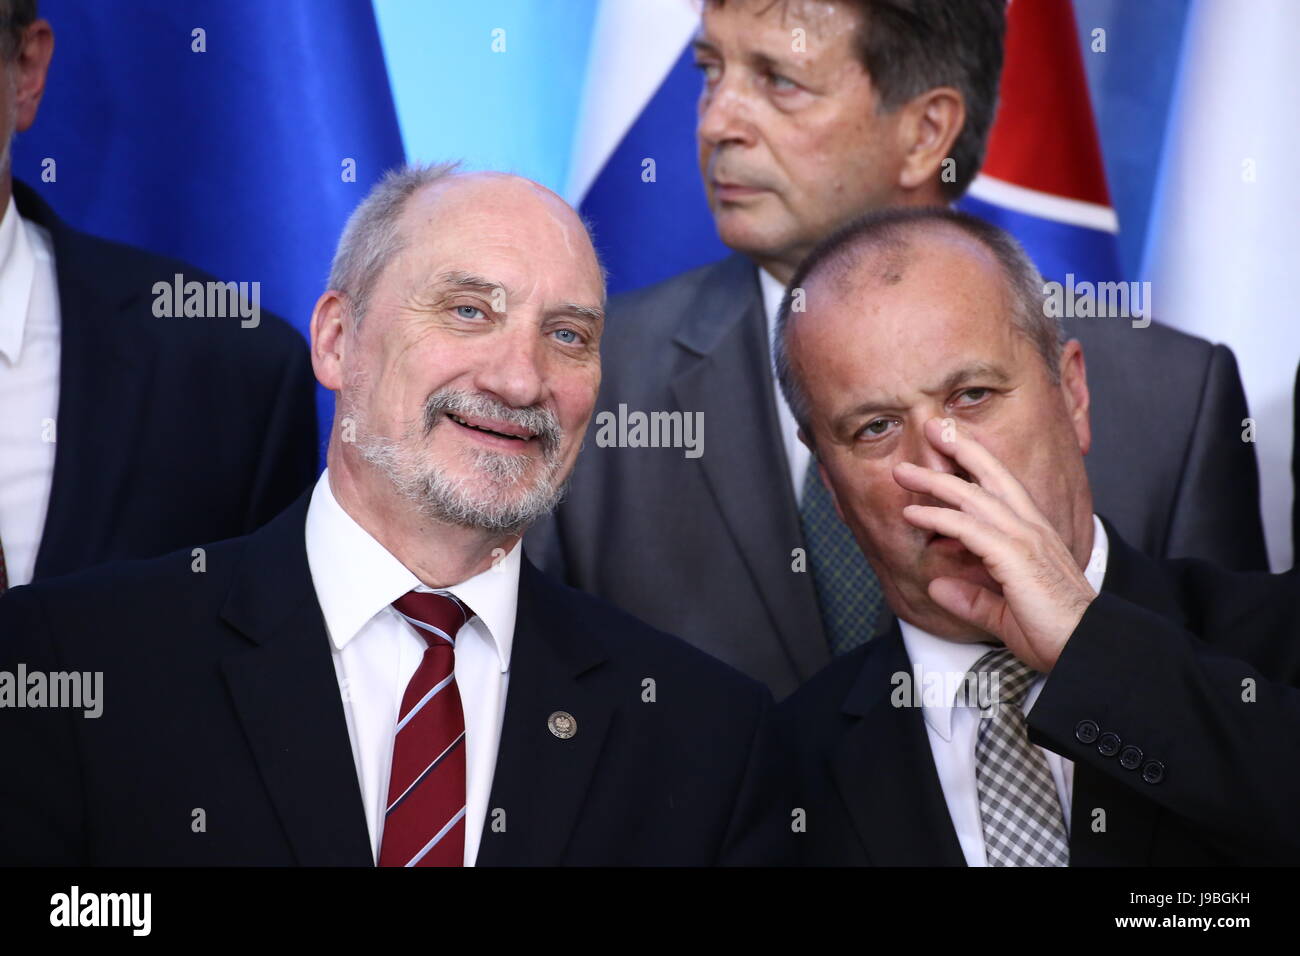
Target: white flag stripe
x=1073, y=212
x=1225, y=223
x=634, y=45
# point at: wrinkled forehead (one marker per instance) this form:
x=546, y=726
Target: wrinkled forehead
x=512, y=231
x=904, y=308
x=821, y=18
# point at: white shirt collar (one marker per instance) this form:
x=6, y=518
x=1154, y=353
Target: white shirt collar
x=773, y=291
x=937, y=662
x=356, y=577
x=17, y=269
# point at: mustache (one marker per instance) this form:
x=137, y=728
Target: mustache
x=537, y=419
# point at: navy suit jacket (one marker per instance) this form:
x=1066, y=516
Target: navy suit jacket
x=220, y=694
x=1158, y=660
x=170, y=431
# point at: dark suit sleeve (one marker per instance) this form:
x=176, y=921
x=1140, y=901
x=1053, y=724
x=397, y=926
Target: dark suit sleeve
x=289, y=455
x=1229, y=764
x=40, y=786
x=760, y=831
x=1217, y=514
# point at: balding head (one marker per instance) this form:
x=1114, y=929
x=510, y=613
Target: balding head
x=910, y=316
x=462, y=332
x=375, y=233
x=879, y=248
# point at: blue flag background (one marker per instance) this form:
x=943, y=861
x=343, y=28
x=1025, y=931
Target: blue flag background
x=231, y=159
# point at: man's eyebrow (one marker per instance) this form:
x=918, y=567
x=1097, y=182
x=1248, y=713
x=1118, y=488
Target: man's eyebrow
x=761, y=61
x=766, y=63
x=889, y=403
x=590, y=313
x=468, y=280
x=976, y=370
x=465, y=280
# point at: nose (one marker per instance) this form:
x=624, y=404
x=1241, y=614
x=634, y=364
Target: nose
x=724, y=115
x=513, y=370
x=918, y=450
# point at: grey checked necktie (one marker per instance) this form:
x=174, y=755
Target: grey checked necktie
x=1019, y=808
x=848, y=593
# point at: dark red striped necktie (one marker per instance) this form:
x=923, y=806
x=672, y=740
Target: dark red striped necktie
x=424, y=824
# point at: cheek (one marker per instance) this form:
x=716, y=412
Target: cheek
x=575, y=399
x=869, y=495
x=845, y=164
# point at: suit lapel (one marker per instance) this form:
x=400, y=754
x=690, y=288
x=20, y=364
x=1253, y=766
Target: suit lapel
x=103, y=383
x=728, y=379
x=541, y=780
x=884, y=770
x=286, y=694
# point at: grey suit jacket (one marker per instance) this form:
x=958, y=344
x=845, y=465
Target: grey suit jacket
x=702, y=547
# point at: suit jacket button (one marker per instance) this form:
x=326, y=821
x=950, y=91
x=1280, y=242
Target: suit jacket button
x=1085, y=731
x=1130, y=758
x=1153, y=772
x=1108, y=744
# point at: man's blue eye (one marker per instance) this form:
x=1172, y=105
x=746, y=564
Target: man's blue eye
x=569, y=332
x=462, y=311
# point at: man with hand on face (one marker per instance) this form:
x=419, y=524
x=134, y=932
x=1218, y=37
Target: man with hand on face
x=810, y=115
x=1048, y=696
x=379, y=675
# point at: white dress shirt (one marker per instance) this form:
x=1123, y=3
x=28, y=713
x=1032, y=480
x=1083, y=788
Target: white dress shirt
x=796, y=453
x=376, y=653
x=29, y=388
x=952, y=729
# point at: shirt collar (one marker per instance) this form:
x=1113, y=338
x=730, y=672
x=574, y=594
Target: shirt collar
x=938, y=663
x=773, y=291
x=17, y=269
x=356, y=577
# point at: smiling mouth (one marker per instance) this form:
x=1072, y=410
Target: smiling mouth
x=480, y=428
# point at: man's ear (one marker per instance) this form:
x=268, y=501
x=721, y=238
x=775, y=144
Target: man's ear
x=331, y=326
x=1074, y=387
x=30, y=64
x=929, y=125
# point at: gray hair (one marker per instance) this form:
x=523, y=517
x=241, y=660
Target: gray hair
x=888, y=232
x=372, y=237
